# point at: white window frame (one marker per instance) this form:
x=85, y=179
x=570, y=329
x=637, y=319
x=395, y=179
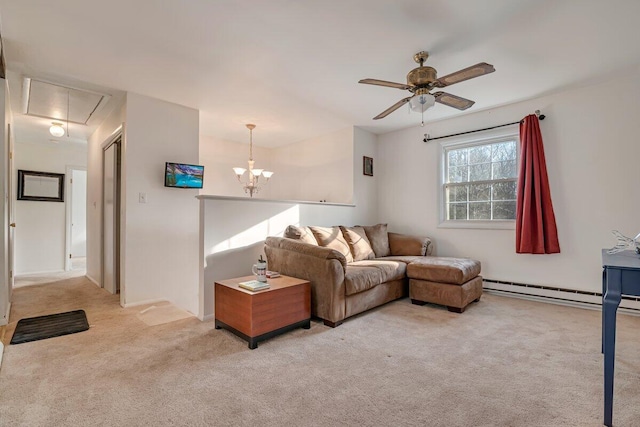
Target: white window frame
x=482, y=138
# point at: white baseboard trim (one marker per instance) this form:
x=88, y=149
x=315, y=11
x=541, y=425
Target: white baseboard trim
x=37, y=273
x=208, y=317
x=1, y=353
x=566, y=297
x=149, y=301
x=94, y=281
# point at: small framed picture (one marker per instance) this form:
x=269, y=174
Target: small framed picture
x=367, y=165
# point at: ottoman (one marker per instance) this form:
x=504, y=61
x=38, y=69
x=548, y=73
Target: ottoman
x=453, y=282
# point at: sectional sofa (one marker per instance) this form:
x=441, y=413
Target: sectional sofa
x=353, y=269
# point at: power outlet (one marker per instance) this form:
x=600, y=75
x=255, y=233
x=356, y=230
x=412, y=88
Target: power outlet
x=142, y=197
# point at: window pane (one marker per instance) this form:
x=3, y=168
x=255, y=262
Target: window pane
x=457, y=211
x=506, y=169
x=458, y=174
x=471, y=190
x=481, y=172
x=458, y=193
x=504, y=210
x=480, y=210
x=479, y=192
x=481, y=154
x=504, y=151
x=458, y=157
x=504, y=191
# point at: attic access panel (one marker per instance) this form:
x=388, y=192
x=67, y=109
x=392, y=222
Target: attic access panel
x=49, y=101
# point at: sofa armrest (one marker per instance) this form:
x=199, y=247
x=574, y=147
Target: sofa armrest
x=322, y=267
x=405, y=244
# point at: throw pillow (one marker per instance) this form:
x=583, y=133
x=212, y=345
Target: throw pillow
x=358, y=242
x=331, y=237
x=379, y=239
x=303, y=234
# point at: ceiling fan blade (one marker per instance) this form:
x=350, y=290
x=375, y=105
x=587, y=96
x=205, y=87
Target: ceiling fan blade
x=453, y=100
x=393, y=108
x=384, y=83
x=465, y=74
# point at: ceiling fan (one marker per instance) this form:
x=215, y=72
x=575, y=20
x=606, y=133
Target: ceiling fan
x=421, y=80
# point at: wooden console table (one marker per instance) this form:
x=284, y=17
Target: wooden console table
x=260, y=315
x=620, y=276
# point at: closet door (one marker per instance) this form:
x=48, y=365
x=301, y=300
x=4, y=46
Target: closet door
x=110, y=216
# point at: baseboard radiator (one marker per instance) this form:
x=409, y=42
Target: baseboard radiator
x=554, y=295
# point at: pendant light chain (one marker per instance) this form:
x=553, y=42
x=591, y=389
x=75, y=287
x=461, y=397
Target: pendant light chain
x=68, y=96
x=250, y=144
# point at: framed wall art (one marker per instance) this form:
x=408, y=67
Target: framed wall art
x=367, y=165
x=40, y=186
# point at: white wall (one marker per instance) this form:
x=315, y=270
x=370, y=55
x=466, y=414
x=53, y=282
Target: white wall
x=591, y=145
x=161, y=237
x=365, y=194
x=40, y=233
x=94, y=189
x=315, y=169
x=220, y=156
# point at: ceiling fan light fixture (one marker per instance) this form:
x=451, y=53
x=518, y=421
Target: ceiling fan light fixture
x=56, y=129
x=421, y=103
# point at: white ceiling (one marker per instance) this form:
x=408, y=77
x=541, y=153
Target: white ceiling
x=292, y=66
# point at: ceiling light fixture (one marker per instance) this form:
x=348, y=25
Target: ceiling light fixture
x=56, y=129
x=251, y=184
x=421, y=102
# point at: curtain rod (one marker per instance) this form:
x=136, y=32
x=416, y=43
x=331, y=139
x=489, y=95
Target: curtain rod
x=427, y=138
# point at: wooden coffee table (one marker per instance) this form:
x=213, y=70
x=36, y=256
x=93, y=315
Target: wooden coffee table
x=257, y=316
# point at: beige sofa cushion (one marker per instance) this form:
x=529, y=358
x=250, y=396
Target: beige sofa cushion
x=360, y=278
x=405, y=244
x=378, y=238
x=389, y=270
x=358, y=243
x=455, y=271
x=402, y=258
x=331, y=237
x=303, y=234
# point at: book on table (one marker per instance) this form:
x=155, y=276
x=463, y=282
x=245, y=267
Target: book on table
x=272, y=274
x=254, y=285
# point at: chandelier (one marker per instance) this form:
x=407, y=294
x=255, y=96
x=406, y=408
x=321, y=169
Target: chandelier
x=251, y=184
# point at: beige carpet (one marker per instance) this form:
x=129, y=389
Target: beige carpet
x=161, y=313
x=44, y=278
x=504, y=362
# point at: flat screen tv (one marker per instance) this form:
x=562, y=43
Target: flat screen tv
x=181, y=175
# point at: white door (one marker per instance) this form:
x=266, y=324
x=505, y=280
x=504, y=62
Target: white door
x=110, y=223
x=78, y=213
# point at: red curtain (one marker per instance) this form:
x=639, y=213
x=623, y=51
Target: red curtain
x=536, y=231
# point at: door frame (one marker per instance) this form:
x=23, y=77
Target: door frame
x=68, y=213
x=117, y=133
x=11, y=258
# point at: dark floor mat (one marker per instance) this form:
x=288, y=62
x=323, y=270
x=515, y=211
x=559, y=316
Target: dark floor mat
x=53, y=325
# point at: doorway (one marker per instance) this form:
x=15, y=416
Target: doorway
x=111, y=191
x=76, y=252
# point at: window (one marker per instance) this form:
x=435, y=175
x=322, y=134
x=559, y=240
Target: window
x=479, y=181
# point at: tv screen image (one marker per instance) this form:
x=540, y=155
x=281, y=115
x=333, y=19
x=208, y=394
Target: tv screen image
x=183, y=176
